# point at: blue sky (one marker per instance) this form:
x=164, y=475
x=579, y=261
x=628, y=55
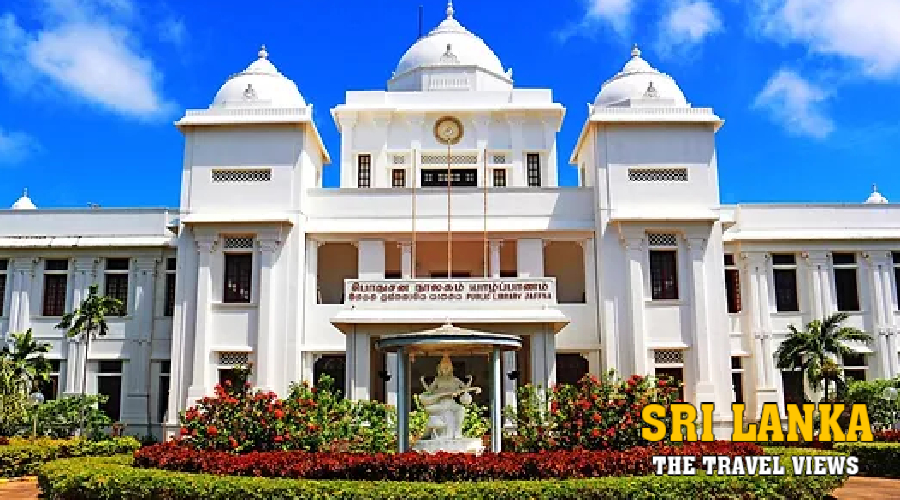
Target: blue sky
x=89, y=88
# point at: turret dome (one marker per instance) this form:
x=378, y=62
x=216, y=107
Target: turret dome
x=639, y=80
x=261, y=84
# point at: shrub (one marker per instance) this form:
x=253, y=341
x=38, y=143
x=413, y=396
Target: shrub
x=13, y=400
x=869, y=393
x=22, y=457
x=61, y=418
x=114, y=478
x=875, y=459
x=425, y=467
x=593, y=414
x=309, y=419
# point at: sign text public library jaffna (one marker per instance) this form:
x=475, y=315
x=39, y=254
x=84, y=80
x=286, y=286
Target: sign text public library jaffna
x=538, y=291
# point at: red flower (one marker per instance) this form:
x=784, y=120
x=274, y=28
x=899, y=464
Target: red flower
x=279, y=414
x=211, y=430
x=184, y=431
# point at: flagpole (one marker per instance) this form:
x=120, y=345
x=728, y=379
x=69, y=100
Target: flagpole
x=415, y=157
x=484, y=180
x=449, y=232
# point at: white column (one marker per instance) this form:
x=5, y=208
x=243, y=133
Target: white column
x=358, y=366
x=348, y=169
x=137, y=385
x=406, y=263
x=269, y=344
x=879, y=317
x=201, y=382
x=390, y=366
x=509, y=385
x=22, y=271
x=517, y=170
x=371, y=259
x=495, y=258
x=590, y=271
x=759, y=314
x=530, y=258
x=634, y=256
x=84, y=274
x=888, y=287
x=820, y=284
x=549, y=171
x=702, y=348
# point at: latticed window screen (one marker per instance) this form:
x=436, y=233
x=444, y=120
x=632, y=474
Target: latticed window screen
x=661, y=240
x=234, y=358
x=238, y=243
x=533, y=169
x=658, y=174
x=398, y=159
x=457, y=159
x=242, y=175
x=668, y=357
x=364, y=171
x=500, y=159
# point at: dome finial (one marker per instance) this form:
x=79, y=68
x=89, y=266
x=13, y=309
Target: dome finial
x=25, y=192
x=635, y=51
x=876, y=197
x=449, y=9
x=263, y=53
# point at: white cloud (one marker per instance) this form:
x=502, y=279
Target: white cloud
x=689, y=22
x=16, y=146
x=865, y=32
x=796, y=103
x=86, y=48
x=614, y=13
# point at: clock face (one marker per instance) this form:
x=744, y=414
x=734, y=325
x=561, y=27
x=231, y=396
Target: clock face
x=448, y=130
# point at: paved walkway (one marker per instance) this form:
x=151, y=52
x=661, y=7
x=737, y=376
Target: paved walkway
x=856, y=488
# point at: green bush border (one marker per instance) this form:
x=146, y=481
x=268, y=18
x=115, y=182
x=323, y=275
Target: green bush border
x=24, y=459
x=875, y=459
x=114, y=477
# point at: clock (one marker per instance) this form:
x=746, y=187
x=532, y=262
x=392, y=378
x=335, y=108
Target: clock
x=448, y=130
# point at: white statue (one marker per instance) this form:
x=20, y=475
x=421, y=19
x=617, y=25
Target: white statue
x=443, y=431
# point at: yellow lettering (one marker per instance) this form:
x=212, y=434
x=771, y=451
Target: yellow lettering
x=707, y=410
x=859, y=424
x=737, y=409
x=770, y=421
x=804, y=423
x=649, y=415
x=684, y=414
x=828, y=422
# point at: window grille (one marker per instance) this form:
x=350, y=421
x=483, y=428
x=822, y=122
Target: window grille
x=533, y=169
x=458, y=159
x=398, y=159
x=658, y=174
x=499, y=159
x=242, y=175
x=661, y=240
x=499, y=177
x=239, y=243
x=364, y=171
x=668, y=356
x=234, y=358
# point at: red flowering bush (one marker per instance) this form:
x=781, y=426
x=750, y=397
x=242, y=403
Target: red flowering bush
x=424, y=467
x=887, y=436
x=310, y=419
x=593, y=414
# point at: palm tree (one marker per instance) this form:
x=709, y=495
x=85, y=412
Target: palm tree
x=27, y=358
x=813, y=349
x=86, y=322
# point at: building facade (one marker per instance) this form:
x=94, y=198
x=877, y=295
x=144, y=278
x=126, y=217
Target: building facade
x=448, y=211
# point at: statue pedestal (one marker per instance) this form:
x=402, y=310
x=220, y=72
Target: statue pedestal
x=464, y=445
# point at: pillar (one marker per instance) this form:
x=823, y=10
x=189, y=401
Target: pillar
x=406, y=262
x=358, y=365
x=759, y=317
x=22, y=273
x=269, y=344
x=138, y=377
x=371, y=260
x=496, y=395
x=702, y=348
x=402, y=372
x=390, y=389
x=509, y=385
x=549, y=173
x=530, y=257
x=820, y=284
x=517, y=170
x=495, y=246
x=634, y=257
x=200, y=381
x=84, y=274
x=348, y=169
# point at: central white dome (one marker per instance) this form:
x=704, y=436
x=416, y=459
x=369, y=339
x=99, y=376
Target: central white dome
x=261, y=84
x=450, y=43
x=639, y=80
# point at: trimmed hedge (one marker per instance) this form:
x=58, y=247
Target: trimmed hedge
x=875, y=459
x=114, y=477
x=22, y=457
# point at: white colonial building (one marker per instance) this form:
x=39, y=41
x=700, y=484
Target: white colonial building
x=639, y=268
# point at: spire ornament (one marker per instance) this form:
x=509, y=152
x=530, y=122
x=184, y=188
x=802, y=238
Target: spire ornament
x=635, y=51
x=263, y=53
x=449, y=9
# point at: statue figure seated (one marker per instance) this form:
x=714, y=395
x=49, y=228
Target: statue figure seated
x=445, y=415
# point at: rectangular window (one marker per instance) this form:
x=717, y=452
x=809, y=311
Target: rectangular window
x=238, y=277
x=737, y=379
x=163, y=401
x=398, y=178
x=533, y=169
x=855, y=367
x=896, y=257
x=663, y=274
x=4, y=265
x=50, y=388
x=499, y=177
x=732, y=285
x=784, y=275
x=109, y=383
x=845, y=281
x=465, y=177
x=364, y=171
x=169, y=306
x=115, y=279
x=792, y=387
x=56, y=282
